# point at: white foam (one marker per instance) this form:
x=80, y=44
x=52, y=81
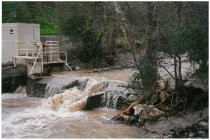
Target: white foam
x=31, y=120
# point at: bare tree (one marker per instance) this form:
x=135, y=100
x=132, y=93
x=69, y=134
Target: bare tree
x=125, y=29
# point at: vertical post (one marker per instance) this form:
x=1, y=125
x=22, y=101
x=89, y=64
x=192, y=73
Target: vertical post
x=51, y=57
x=27, y=49
x=14, y=61
x=66, y=56
x=42, y=67
x=27, y=67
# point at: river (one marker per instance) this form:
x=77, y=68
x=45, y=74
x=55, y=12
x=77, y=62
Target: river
x=31, y=117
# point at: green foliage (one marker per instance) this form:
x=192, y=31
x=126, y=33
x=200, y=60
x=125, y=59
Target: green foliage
x=74, y=27
x=79, y=26
x=183, y=29
x=16, y=12
x=30, y=12
x=91, y=49
x=121, y=43
x=144, y=79
x=192, y=40
x=188, y=35
x=196, y=38
x=173, y=42
x=96, y=63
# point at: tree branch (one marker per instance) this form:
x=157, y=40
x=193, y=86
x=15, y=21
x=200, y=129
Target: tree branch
x=166, y=70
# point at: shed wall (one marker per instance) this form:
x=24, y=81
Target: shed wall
x=14, y=36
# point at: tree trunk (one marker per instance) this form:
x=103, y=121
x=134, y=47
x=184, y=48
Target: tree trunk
x=109, y=33
x=126, y=30
x=152, y=29
x=175, y=73
x=180, y=71
x=152, y=41
x=179, y=6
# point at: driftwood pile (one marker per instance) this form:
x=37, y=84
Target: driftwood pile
x=164, y=102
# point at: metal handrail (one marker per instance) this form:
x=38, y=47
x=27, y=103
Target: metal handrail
x=51, y=56
x=35, y=51
x=37, y=56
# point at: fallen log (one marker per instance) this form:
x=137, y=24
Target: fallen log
x=154, y=98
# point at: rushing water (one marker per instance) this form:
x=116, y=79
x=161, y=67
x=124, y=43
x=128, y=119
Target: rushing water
x=24, y=117
x=60, y=116
x=119, y=75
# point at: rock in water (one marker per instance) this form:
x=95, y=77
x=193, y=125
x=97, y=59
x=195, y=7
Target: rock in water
x=138, y=108
x=93, y=101
x=148, y=112
x=191, y=135
x=132, y=98
x=204, y=124
x=155, y=113
x=77, y=68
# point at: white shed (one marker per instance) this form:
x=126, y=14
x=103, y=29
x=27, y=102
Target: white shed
x=15, y=35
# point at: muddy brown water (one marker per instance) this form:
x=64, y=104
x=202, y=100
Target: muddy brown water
x=30, y=117
x=119, y=75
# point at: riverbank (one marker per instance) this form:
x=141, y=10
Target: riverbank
x=189, y=125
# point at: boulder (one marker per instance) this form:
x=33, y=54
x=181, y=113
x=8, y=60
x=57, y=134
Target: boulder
x=148, y=112
x=132, y=98
x=93, y=101
x=203, y=124
x=82, y=84
x=191, y=135
x=138, y=108
x=77, y=68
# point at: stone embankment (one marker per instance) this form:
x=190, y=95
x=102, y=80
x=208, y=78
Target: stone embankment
x=12, y=77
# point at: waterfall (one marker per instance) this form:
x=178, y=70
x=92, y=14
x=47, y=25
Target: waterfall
x=115, y=95
x=109, y=101
x=93, y=86
x=52, y=90
x=115, y=100
x=73, y=98
x=58, y=84
x=66, y=93
x=66, y=98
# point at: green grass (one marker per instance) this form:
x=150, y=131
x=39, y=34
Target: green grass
x=48, y=29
